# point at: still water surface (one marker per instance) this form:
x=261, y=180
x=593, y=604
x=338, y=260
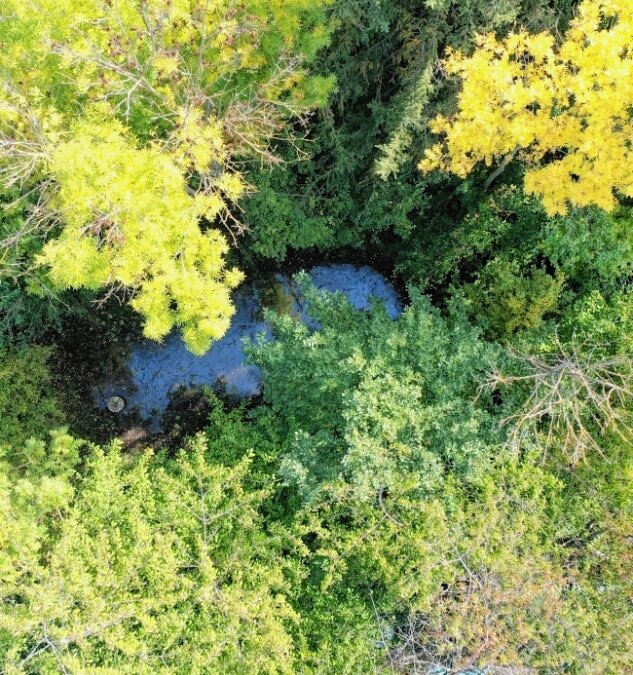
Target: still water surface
x=157, y=370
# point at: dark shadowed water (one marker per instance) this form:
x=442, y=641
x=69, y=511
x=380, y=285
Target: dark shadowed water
x=157, y=370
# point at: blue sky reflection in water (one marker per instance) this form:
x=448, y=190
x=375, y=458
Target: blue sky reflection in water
x=160, y=369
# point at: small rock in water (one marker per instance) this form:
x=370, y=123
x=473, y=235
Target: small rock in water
x=116, y=404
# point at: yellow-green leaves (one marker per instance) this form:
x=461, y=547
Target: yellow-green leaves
x=126, y=116
x=565, y=111
x=141, y=569
x=129, y=221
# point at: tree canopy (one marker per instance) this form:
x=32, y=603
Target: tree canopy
x=126, y=131
x=563, y=109
x=138, y=569
x=440, y=485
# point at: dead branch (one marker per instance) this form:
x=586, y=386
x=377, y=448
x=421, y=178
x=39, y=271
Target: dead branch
x=572, y=398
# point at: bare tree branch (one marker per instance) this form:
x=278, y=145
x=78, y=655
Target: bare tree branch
x=572, y=398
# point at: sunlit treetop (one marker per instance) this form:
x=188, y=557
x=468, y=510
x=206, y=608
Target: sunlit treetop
x=125, y=118
x=564, y=110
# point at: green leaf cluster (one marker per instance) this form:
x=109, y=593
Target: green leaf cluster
x=378, y=401
x=140, y=568
x=29, y=404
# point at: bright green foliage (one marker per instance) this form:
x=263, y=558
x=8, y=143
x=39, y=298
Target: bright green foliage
x=513, y=264
x=140, y=569
x=380, y=402
x=593, y=248
x=505, y=299
x=128, y=125
x=417, y=510
x=605, y=322
x=29, y=406
x=340, y=634
x=420, y=540
x=155, y=566
x=567, y=390
x=498, y=571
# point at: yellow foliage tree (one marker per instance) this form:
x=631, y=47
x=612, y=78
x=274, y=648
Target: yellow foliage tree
x=124, y=118
x=565, y=110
